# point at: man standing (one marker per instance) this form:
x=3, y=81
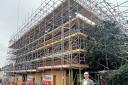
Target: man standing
x=86, y=80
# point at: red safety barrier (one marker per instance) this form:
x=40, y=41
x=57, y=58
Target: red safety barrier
x=47, y=83
x=32, y=83
x=102, y=82
x=22, y=83
x=8, y=82
x=13, y=82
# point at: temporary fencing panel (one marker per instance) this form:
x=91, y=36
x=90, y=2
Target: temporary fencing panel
x=47, y=79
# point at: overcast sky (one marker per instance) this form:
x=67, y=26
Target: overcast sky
x=12, y=15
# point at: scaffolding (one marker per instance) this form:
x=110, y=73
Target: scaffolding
x=54, y=36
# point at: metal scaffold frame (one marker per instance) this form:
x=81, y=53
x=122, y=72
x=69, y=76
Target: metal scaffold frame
x=101, y=8
x=53, y=37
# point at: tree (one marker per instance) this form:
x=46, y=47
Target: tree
x=119, y=77
x=103, y=45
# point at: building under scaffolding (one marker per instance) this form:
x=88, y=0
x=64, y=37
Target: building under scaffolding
x=52, y=44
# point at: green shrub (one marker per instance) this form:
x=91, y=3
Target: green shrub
x=119, y=77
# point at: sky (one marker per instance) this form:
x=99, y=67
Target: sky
x=12, y=15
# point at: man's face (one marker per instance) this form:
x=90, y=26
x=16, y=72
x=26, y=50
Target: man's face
x=86, y=76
